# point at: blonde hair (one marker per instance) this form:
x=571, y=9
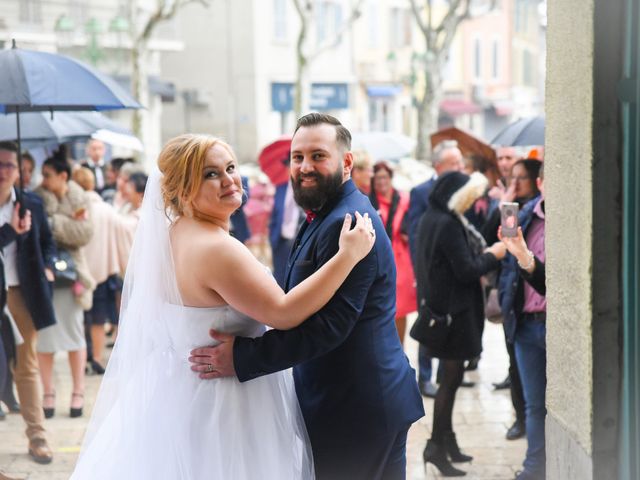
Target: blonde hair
x=361, y=159
x=130, y=168
x=84, y=177
x=181, y=162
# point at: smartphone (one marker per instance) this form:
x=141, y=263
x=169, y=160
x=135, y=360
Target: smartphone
x=509, y=219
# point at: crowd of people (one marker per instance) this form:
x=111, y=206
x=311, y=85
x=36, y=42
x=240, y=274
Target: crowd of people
x=451, y=259
x=63, y=262
x=65, y=259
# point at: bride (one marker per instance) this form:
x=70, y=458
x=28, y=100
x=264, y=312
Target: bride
x=154, y=418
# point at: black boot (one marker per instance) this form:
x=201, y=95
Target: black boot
x=453, y=450
x=10, y=401
x=8, y=398
x=436, y=454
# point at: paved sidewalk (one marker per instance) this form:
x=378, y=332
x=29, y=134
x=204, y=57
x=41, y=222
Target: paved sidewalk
x=481, y=417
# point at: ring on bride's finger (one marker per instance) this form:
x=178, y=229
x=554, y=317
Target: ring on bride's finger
x=209, y=368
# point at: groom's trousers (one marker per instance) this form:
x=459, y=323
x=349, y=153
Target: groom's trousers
x=340, y=459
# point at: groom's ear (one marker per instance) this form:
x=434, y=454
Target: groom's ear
x=347, y=164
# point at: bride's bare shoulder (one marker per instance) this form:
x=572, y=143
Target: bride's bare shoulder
x=200, y=242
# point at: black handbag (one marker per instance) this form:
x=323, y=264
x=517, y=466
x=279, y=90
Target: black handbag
x=64, y=270
x=431, y=329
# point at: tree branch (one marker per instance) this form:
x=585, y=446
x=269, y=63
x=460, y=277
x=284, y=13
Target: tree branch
x=353, y=16
x=161, y=14
x=418, y=16
x=451, y=13
x=302, y=34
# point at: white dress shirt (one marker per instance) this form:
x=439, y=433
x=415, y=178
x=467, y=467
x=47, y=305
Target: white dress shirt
x=10, y=252
x=291, y=215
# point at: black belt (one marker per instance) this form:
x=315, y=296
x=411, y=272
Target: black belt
x=535, y=316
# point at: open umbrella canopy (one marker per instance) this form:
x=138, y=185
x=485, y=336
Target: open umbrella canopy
x=36, y=81
x=274, y=160
x=524, y=132
x=32, y=81
x=125, y=140
x=383, y=145
x=41, y=128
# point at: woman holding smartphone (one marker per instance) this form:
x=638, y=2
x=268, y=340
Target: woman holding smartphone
x=67, y=207
x=524, y=306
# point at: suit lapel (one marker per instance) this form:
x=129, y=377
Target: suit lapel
x=303, y=237
x=308, y=229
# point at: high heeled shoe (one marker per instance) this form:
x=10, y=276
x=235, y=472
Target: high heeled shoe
x=49, y=412
x=453, y=450
x=96, y=367
x=436, y=454
x=76, y=412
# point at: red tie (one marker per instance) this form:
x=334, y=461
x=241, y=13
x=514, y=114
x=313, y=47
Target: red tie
x=310, y=216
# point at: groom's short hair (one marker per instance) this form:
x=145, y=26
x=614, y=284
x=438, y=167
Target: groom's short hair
x=343, y=136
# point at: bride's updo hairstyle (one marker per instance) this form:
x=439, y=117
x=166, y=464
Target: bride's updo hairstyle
x=181, y=162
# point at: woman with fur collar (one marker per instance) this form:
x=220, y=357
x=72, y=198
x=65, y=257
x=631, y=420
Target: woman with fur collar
x=67, y=208
x=451, y=258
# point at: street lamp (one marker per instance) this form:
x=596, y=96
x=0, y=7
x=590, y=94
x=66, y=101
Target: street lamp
x=93, y=28
x=119, y=26
x=64, y=28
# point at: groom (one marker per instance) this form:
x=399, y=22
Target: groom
x=356, y=389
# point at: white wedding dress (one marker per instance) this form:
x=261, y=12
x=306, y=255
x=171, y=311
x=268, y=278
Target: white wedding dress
x=154, y=418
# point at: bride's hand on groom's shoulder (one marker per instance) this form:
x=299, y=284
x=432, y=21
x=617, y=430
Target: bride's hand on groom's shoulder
x=216, y=361
x=359, y=240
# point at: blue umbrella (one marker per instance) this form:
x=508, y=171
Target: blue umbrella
x=39, y=128
x=37, y=81
x=40, y=81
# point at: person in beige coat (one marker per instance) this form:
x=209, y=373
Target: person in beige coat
x=67, y=207
x=106, y=253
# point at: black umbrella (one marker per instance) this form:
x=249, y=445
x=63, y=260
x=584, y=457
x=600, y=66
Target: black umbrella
x=32, y=81
x=524, y=132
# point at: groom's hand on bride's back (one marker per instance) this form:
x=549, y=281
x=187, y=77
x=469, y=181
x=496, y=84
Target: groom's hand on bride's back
x=216, y=361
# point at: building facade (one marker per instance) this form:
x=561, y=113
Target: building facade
x=236, y=76
x=96, y=32
x=593, y=240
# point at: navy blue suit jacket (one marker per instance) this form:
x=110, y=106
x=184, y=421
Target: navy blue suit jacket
x=36, y=249
x=239, y=224
x=418, y=204
x=354, y=382
x=277, y=214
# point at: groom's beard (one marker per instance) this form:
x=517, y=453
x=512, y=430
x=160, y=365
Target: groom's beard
x=325, y=189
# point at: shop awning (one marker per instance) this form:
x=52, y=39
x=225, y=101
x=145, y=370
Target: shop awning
x=383, y=90
x=157, y=86
x=458, y=106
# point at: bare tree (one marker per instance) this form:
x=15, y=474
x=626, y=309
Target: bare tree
x=437, y=36
x=305, y=56
x=142, y=26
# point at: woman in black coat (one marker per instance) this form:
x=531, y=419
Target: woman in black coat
x=451, y=258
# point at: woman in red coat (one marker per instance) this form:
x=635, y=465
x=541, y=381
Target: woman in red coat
x=392, y=206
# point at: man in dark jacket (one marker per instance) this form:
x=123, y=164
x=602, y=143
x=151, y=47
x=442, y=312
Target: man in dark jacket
x=28, y=269
x=8, y=232
x=95, y=162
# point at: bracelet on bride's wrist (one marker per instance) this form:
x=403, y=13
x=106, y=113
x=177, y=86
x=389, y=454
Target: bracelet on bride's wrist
x=530, y=263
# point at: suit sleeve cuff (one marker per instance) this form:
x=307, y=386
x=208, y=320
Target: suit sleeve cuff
x=241, y=360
